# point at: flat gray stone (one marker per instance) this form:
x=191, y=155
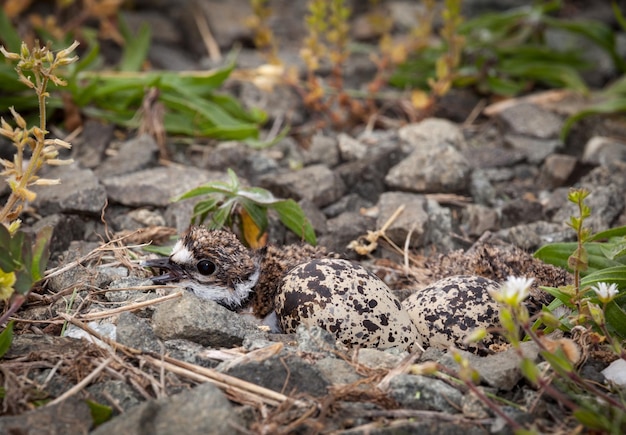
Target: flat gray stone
x=421, y=392
x=201, y=321
x=432, y=132
x=288, y=374
x=413, y=219
x=133, y=331
x=316, y=183
x=431, y=169
x=157, y=186
x=46, y=419
x=535, y=150
x=530, y=120
x=133, y=155
x=79, y=192
x=201, y=410
x=604, y=151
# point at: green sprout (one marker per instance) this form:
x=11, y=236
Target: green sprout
x=230, y=202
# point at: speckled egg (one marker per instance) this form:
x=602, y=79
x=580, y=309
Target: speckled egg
x=450, y=309
x=346, y=300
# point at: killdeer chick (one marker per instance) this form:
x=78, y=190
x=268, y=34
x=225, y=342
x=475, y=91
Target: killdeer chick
x=288, y=286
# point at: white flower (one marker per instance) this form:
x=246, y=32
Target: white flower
x=606, y=292
x=514, y=290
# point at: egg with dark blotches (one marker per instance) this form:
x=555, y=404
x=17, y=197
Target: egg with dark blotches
x=348, y=301
x=449, y=310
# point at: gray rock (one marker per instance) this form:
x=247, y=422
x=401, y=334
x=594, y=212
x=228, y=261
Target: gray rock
x=316, y=183
x=482, y=157
x=431, y=133
x=477, y=219
x=421, y=392
x=45, y=419
x=92, y=143
x=604, y=151
x=343, y=229
x=351, y=202
x=431, y=169
x=365, y=176
x=79, y=192
x=289, y=374
x=315, y=340
x=124, y=395
x=185, y=350
x=315, y=216
x=65, y=229
x=133, y=155
x=557, y=169
x=349, y=148
x=322, y=149
x=201, y=410
x=500, y=370
x=201, y=321
x=535, y=234
x=136, y=332
x=530, y=120
x=413, y=219
x=439, y=228
x=481, y=188
x=520, y=211
x=337, y=371
x=167, y=30
x=156, y=186
x=535, y=150
x=380, y=359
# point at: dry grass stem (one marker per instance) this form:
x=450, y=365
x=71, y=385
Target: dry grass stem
x=82, y=384
x=131, y=307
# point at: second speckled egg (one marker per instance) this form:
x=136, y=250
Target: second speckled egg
x=447, y=311
x=346, y=300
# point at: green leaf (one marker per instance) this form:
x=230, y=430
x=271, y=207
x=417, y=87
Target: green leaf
x=41, y=253
x=222, y=215
x=616, y=318
x=292, y=216
x=164, y=251
x=558, y=254
x=558, y=361
x=612, y=105
x=135, y=46
x=610, y=233
x=615, y=274
x=6, y=338
x=529, y=370
x=99, y=413
x=203, y=208
x=10, y=38
x=7, y=264
x=591, y=419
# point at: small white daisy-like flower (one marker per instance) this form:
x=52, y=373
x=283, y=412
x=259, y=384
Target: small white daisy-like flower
x=514, y=290
x=606, y=292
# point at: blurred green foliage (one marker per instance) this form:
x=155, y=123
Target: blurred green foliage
x=192, y=104
x=505, y=53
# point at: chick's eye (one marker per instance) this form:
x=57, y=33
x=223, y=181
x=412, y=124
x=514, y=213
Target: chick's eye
x=206, y=267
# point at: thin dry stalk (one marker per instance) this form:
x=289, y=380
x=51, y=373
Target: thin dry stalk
x=238, y=389
x=82, y=384
x=131, y=307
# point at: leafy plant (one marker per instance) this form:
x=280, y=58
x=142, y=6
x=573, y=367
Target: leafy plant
x=23, y=258
x=592, y=262
x=193, y=107
x=504, y=53
x=229, y=202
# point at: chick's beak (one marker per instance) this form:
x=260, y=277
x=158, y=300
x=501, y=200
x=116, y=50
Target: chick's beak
x=173, y=271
